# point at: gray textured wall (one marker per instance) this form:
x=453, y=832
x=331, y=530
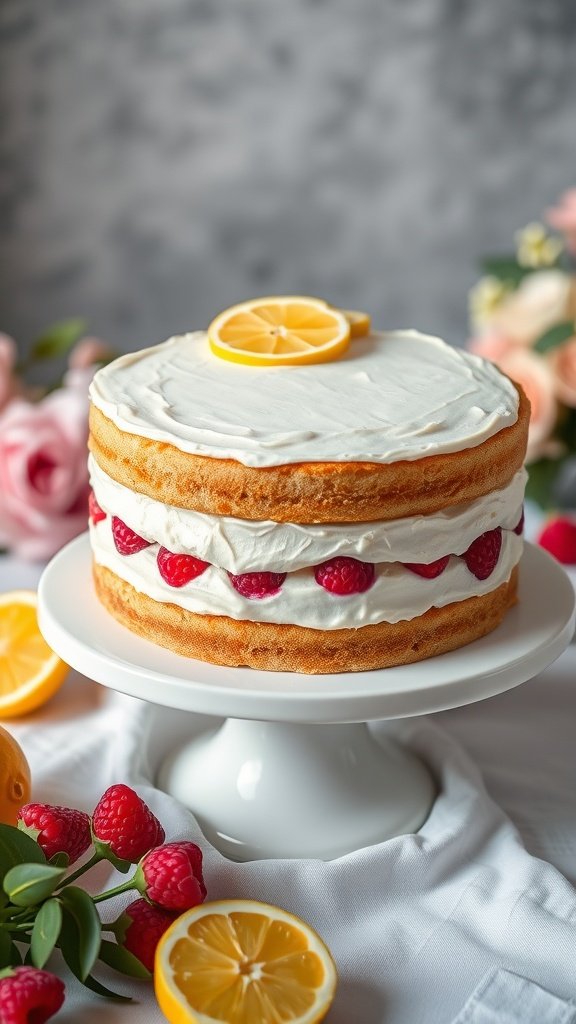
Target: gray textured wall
x=160, y=159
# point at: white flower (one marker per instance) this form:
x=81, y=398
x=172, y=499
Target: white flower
x=536, y=248
x=484, y=298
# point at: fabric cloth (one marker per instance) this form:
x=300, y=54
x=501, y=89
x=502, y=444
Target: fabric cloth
x=504, y=998
x=415, y=923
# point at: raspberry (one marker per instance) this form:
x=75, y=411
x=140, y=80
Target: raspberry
x=257, y=584
x=127, y=542
x=483, y=554
x=123, y=822
x=30, y=996
x=343, y=575
x=519, y=528
x=558, y=537
x=177, y=570
x=56, y=829
x=140, y=928
x=171, y=876
x=430, y=570
x=96, y=513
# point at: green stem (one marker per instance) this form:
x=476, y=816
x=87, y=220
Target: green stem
x=94, y=859
x=125, y=887
x=12, y=912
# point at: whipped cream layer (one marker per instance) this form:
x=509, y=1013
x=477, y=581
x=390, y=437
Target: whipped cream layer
x=396, y=593
x=241, y=545
x=393, y=396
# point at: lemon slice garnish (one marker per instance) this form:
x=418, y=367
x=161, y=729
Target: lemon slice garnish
x=239, y=961
x=284, y=330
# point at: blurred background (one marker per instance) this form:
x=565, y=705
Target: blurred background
x=161, y=159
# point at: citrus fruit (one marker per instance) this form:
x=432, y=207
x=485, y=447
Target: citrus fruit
x=14, y=778
x=283, y=330
x=30, y=672
x=360, y=323
x=242, y=962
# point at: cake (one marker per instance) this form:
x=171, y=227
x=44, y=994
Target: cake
x=336, y=516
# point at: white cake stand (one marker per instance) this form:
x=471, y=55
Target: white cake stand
x=288, y=774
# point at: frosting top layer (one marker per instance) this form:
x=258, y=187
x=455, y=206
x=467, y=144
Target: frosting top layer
x=393, y=396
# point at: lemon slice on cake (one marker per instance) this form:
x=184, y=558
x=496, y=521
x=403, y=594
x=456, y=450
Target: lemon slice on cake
x=284, y=330
x=30, y=672
x=242, y=962
x=360, y=323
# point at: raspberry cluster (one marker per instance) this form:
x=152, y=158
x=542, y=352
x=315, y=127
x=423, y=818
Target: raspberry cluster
x=123, y=830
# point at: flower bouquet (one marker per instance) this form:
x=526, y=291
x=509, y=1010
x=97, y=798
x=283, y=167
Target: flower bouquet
x=43, y=434
x=523, y=317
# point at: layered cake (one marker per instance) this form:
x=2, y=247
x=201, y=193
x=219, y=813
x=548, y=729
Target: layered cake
x=326, y=516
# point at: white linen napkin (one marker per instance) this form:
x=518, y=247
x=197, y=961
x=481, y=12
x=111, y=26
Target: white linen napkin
x=505, y=998
x=414, y=923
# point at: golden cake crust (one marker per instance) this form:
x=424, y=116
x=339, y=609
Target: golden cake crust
x=309, y=492
x=288, y=648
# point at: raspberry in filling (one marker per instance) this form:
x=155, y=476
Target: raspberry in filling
x=126, y=540
x=177, y=569
x=96, y=513
x=519, y=528
x=482, y=556
x=343, y=575
x=256, y=585
x=430, y=570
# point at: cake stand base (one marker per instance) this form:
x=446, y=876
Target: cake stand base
x=308, y=790
x=287, y=775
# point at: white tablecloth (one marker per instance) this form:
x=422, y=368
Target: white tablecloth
x=414, y=924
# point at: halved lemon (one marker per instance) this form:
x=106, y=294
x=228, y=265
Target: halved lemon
x=30, y=672
x=283, y=330
x=242, y=962
x=360, y=323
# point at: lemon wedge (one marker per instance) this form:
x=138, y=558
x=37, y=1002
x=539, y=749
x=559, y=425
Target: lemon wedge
x=242, y=962
x=360, y=323
x=30, y=672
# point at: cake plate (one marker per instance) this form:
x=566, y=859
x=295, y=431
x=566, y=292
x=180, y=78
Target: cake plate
x=294, y=770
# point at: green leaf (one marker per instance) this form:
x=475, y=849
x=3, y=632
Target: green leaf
x=60, y=860
x=123, y=960
x=58, y=339
x=557, y=335
x=505, y=268
x=45, y=932
x=79, y=905
x=541, y=476
x=17, y=848
x=28, y=884
x=68, y=942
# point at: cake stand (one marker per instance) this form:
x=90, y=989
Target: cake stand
x=294, y=770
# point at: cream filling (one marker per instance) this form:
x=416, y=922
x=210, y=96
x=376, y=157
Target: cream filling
x=242, y=545
x=396, y=395
x=396, y=593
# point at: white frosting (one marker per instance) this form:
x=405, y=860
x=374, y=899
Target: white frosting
x=393, y=396
x=241, y=545
x=396, y=593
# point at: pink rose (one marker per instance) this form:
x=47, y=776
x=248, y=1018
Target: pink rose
x=535, y=376
x=563, y=363
x=541, y=300
x=492, y=345
x=88, y=352
x=563, y=218
x=43, y=474
x=7, y=360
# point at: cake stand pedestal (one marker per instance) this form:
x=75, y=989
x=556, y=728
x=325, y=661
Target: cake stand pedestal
x=294, y=771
